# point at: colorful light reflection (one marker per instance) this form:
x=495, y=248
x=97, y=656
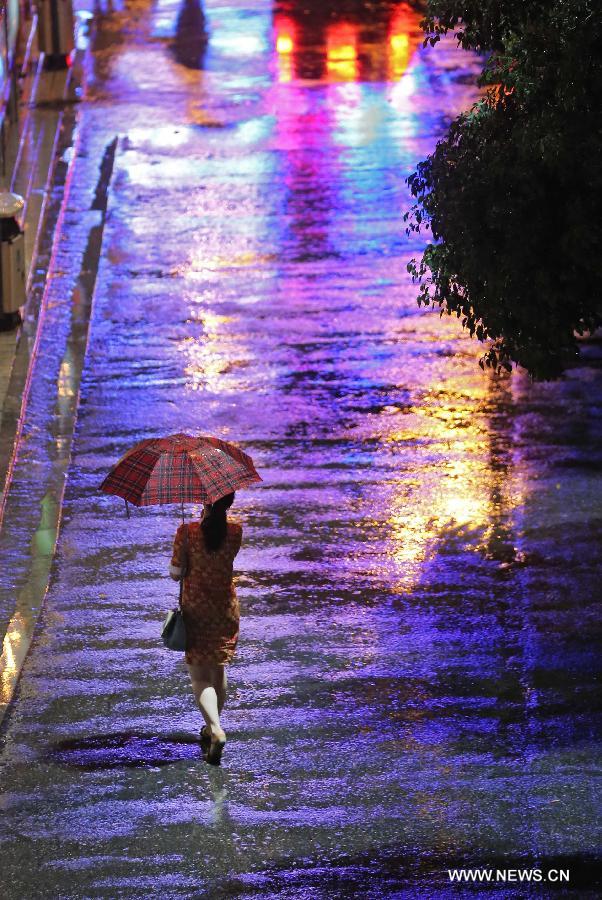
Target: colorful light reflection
x=399, y=45
x=335, y=51
x=285, y=31
x=341, y=51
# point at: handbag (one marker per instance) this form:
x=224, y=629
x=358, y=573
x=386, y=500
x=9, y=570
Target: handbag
x=173, y=632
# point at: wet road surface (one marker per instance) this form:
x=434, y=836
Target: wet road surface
x=416, y=673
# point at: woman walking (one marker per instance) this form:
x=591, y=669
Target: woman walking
x=207, y=549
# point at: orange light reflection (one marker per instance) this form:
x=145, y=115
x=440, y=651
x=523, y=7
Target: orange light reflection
x=341, y=51
x=285, y=31
x=399, y=41
x=468, y=491
x=284, y=43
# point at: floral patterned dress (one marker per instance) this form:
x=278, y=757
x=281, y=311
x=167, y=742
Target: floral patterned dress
x=209, y=602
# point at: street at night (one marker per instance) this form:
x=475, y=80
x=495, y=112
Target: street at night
x=415, y=681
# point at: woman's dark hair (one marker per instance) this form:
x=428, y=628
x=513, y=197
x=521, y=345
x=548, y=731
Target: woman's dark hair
x=215, y=525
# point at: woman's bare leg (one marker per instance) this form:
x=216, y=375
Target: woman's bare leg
x=204, y=680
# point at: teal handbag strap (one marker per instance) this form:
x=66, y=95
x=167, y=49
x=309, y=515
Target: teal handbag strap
x=183, y=563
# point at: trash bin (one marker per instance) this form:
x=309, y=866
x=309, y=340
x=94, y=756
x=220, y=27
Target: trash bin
x=56, y=29
x=12, y=261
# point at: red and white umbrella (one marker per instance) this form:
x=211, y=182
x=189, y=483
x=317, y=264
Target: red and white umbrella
x=180, y=469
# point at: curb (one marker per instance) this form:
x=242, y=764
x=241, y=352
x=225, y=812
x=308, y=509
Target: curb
x=18, y=431
x=54, y=386
x=40, y=450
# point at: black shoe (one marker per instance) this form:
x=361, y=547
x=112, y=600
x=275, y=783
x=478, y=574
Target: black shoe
x=214, y=753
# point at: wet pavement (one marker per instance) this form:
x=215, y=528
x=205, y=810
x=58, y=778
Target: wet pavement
x=416, y=678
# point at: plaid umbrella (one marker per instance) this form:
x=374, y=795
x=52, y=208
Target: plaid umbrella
x=180, y=469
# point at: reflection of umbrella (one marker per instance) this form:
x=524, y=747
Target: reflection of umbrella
x=180, y=469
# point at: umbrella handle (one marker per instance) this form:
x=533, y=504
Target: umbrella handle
x=127, y=509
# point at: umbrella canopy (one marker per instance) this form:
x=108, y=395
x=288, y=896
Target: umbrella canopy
x=180, y=469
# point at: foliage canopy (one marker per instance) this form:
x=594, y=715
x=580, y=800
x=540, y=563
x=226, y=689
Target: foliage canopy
x=512, y=194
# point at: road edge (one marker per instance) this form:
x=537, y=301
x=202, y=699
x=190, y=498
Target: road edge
x=60, y=400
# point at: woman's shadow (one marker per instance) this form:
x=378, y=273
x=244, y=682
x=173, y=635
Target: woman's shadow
x=125, y=750
x=191, y=37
